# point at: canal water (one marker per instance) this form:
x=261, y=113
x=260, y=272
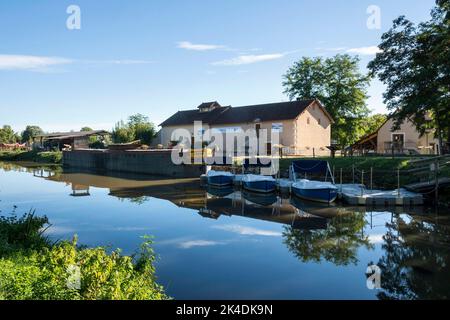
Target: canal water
x=225, y=244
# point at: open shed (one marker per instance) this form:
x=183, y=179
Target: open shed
x=72, y=140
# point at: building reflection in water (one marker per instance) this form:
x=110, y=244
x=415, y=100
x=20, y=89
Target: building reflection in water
x=79, y=190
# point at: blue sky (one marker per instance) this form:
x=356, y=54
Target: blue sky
x=158, y=57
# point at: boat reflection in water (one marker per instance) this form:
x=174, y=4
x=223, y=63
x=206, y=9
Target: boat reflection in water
x=268, y=207
x=209, y=202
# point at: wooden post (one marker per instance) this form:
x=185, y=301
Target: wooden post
x=314, y=152
x=436, y=177
x=334, y=168
x=353, y=173
x=341, y=178
x=371, y=178
x=362, y=182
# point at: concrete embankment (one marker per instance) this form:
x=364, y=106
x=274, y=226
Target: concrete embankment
x=152, y=162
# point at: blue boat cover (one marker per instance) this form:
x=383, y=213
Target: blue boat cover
x=310, y=166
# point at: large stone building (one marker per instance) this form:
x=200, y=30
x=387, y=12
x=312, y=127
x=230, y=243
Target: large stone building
x=304, y=126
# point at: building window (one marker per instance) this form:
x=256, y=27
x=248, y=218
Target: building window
x=318, y=121
x=308, y=121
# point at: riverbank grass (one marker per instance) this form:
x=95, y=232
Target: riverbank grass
x=52, y=157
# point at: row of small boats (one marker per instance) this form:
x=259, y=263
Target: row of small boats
x=319, y=191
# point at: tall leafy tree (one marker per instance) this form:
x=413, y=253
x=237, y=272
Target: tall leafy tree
x=7, y=135
x=413, y=63
x=338, y=83
x=30, y=132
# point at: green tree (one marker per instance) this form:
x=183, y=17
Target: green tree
x=30, y=132
x=339, y=85
x=94, y=141
x=416, y=259
x=373, y=123
x=7, y=135
x=414, y=64
x=338, y=243
x=138, y=127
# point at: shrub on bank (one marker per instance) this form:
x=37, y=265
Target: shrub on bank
x=31, y=268
x=53, y=157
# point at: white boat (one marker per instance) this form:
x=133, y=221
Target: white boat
x=258, y=183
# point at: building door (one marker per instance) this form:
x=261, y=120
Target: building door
x=398, y=140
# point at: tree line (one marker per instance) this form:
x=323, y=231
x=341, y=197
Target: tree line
x=137, y=127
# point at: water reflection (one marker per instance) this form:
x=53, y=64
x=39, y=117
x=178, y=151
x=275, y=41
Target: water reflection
x=416, y=260
x=338, y=243
x=411, y=246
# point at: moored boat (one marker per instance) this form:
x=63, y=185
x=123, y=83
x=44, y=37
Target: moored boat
x=317, y=191
x=125, y=146
x=220, y=178
x=258, y=183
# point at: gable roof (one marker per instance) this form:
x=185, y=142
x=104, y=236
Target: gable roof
x=72, y=134
x=247, y=114
x=264, y=112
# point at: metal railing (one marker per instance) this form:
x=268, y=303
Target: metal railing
x=426, y=170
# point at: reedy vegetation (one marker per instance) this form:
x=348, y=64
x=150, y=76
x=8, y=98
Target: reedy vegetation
x=33, y=268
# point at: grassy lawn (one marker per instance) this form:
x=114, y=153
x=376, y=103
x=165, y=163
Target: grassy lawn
x=54, y=157
x=362, y=163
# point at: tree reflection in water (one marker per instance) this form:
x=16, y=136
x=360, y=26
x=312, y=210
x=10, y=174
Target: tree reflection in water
x=416, y=261
x=337, y=244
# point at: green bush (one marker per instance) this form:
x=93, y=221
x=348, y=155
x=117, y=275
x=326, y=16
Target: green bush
x=31, y=268
x=44, y=274
x=53, y=157
x=22, y=233
x=97, y=145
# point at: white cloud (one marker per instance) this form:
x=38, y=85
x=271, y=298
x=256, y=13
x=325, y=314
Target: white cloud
x=198, y=243
x=33, y=63
x=376, y=238
x=248, y=231
x=365, y=51
x=331, y=49
x=58, y=230
x=199, y=47
x=249, y=59
x=42, y=64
